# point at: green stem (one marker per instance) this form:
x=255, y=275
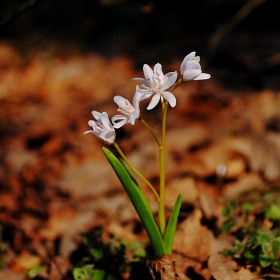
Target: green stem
x=136, y=171
x=161, y=210
x=150, y=129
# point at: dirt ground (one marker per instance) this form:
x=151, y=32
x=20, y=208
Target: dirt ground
x=57, y=184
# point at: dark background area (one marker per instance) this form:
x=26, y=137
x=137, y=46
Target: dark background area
x=246, y=57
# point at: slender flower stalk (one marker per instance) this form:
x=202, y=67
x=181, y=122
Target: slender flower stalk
x=161, y=210
x=135, y=170
x=150, y=129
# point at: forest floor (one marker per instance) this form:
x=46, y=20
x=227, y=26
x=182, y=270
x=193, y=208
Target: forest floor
x=56, y=183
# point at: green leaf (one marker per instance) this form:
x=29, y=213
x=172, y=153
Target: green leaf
x=88, y=272
x=139, y=202
x=250, y=256
x=276, y=265
x=247, y=206
x=266, y=260
x=34, y=271
x=230, y=209
x=273, y=212
x=227, y=225
x=97, y=253
x=141, y=253
x=84, y=273
x=275, y=246
x=172, y=224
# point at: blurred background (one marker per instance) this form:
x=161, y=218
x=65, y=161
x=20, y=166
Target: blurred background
x=240, y=37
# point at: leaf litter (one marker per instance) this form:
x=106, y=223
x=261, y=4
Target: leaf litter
x=52, y=176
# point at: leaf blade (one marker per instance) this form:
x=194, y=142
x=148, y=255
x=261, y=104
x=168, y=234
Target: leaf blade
x=172, y=224
x=139, y=202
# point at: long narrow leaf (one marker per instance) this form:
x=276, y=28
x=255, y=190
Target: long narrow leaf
x=136, y=184
x=172, y=224
x=139, y=202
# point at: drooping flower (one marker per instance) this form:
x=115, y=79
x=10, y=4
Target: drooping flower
x=157, y=84
x=131, y=112
x=191, y=69
x=102, y=127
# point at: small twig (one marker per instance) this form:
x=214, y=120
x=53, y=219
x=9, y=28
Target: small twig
x=17, y=12
x=226, y=28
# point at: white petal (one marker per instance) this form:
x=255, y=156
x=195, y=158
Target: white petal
x=137, y=98
x=191, y=74
x=120, y=101
x=154, y=101
x=91, y=123
x=89, y=131
x=108, y=136
x=167, y=75
x=170, y=81
x=203, y=76
x=170, y=98
x=158, y=72
x=145, y=93
x=123, y=121
x=193, y=65
x=105, y=121
x=143, y=81
x=134, y=116
x=102, y=128
x=148, y=72
x=189, y=57
x=96, y=115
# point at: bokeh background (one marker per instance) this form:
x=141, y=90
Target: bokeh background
x=239, y=39
x=59, y=60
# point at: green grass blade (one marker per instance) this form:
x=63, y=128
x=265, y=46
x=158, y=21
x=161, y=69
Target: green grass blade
x=172, y=224
x=139, y=202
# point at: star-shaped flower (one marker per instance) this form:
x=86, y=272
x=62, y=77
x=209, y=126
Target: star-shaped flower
x=191, y=69
x=156, y=84
x=102, y=127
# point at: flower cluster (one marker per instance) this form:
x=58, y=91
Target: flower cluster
x=156, y=85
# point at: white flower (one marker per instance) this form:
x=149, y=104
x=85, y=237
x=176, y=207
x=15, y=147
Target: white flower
x=131, y=112
x=102, y=127
x=191, y=69
x=156, y=83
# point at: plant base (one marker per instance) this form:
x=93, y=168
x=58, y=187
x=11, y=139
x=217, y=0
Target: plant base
x=163, y=268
